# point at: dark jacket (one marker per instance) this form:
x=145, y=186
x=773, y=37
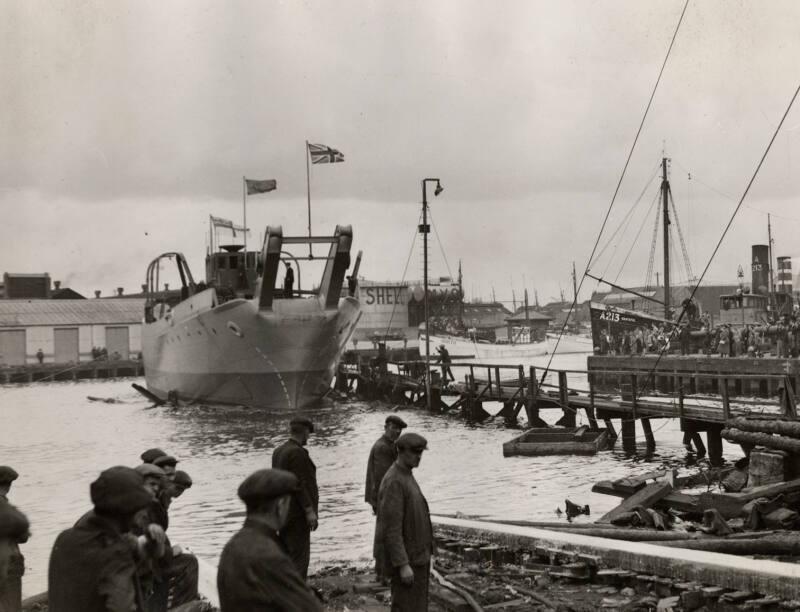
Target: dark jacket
x=404, y=521
x=381, y=457
x=16, y=560
x=256, y=575
x=92, y=569
x=294, y=458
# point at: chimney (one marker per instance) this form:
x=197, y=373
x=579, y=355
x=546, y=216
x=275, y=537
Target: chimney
x=784, y=275
x=97, y=293
x=119, y=291
x=760, y=269
x=57, y=285
x=144, y=287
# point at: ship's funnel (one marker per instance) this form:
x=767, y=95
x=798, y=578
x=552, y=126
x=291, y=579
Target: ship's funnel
x=784, y=278
x=760, y=268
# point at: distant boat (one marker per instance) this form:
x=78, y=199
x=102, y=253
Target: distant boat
x=237, y=339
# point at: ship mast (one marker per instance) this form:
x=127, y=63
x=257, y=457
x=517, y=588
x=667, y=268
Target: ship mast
x=772, y=303
x=665, y=196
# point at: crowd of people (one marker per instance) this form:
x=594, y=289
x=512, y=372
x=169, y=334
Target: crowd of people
x=118, y=558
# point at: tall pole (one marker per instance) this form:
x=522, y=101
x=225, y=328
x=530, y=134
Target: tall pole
x=574, y=284
x=665, y=195
x=244, y=216
x=308, y=197
x=424, y=230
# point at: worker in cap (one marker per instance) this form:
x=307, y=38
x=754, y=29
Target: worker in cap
x=153, y=477
x=445, y=360
x=93, y=564
x=404, y=527
x=167, y=463
x=254, y=572
x=13, y=532
x=293, y=457
x=180, y=483
x=382, y=455
x=151, y=454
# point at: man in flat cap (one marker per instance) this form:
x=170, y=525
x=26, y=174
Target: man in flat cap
x=13, y=532
x=381, y=457
x=293, y=457
x=151, y=454
x=166, y=463
x=92, y=565
x=255, y=574
x=404, y=527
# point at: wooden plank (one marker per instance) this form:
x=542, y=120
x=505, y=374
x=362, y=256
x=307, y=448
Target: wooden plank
x=645, y=498
x=765, y=576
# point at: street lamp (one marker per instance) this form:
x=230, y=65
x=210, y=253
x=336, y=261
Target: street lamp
x=425, y=229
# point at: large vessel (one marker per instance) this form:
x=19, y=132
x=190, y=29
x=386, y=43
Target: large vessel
x=239, y=339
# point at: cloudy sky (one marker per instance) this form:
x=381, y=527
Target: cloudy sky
x=124, y=125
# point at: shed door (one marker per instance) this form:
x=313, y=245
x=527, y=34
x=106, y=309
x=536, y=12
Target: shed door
x=66, y=344
x=12, y=347
x=117, y=341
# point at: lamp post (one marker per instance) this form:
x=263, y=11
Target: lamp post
x=425, y=229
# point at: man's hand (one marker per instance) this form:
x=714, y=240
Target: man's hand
x=311, y=519
x=407, y=575
x=374, y=509
x=157, y=538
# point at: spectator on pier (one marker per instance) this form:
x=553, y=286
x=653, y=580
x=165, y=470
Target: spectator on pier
x=404, y=526
x=13, y=532
x=684, y=337
x=254, y=572
x=40, y=356
x=444, y=359
x=288, y=281
x=381, y=457
x=93, y=564
x=293, y=457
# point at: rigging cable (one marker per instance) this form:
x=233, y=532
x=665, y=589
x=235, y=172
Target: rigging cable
x=402, y=280
x=686, y=262
x=722, y=237
x=635, y=240
x=619, y=184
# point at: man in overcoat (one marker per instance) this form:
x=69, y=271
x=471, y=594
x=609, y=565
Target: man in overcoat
x=13, y=532
x=255, y=574
x=293, y=457
x=404, y=525
x=382, y=455
x=92, y=565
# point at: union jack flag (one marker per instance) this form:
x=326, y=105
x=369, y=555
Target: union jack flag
x=321, y=154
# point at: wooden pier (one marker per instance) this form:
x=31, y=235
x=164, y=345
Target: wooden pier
x=704, y=393
x=70, y=371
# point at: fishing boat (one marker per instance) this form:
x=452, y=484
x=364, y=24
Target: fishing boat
x=523, y=346
x=237, y=338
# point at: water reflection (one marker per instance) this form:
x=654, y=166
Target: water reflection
x=59, y=441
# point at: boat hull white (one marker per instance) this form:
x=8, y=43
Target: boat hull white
x=281, y=359
x=459, y=346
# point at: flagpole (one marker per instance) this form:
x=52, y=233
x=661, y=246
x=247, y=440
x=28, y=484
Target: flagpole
x=244, y=209
x=308, y=193
x=210, y=236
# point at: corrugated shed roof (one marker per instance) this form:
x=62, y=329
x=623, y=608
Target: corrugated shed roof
x=25, y=313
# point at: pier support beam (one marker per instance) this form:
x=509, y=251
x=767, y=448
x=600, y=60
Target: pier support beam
x=648, y=436
x=628, y=427
x=714, y=440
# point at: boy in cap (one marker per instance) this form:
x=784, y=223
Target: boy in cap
x=92, y=565
x=255, y=574
x=166, y=463
x=293, y=457
x=381, y=457
x=13, y=532
x=404, y=527
x=151, y=454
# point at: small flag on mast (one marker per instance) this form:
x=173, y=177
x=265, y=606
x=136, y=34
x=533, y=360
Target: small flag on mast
x=254, y=186
x=227, y=224
x=321, y=154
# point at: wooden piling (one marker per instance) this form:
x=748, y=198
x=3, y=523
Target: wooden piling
x=648, y=435
x=628, y=427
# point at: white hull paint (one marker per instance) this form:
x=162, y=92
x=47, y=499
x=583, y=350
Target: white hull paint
x=459, y=346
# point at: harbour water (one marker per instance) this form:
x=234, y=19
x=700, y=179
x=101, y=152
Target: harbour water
x=59, y=440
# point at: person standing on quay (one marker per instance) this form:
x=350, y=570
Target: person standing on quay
x=293, y=457
x=404, y=525
x=13, y=532
x=381, y=458
x=93, y=564
x=254, y=572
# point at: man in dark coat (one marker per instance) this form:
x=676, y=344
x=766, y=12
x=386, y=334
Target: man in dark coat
x=404, y=525
x=13, y=532
x=293, y=457
x=381, y=458
x=92, y=565
x=255, y=574
x=288, y=281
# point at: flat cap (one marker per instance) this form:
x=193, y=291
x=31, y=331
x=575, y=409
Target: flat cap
x=151, y=454
x=165, y=460
x=302, y=421
x=119, y=491
x=267, y=484
x=13, y=524
x=183, y=479
x=412, y=441
x=148, y=469
x=393, y=418
x=7, y=474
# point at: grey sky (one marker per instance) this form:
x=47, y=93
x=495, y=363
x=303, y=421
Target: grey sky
x=126, y=124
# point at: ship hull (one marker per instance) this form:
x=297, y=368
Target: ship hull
x=458, y=346
x=281, y=359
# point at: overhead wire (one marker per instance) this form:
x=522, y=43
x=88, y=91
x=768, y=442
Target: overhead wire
x=619, y=184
